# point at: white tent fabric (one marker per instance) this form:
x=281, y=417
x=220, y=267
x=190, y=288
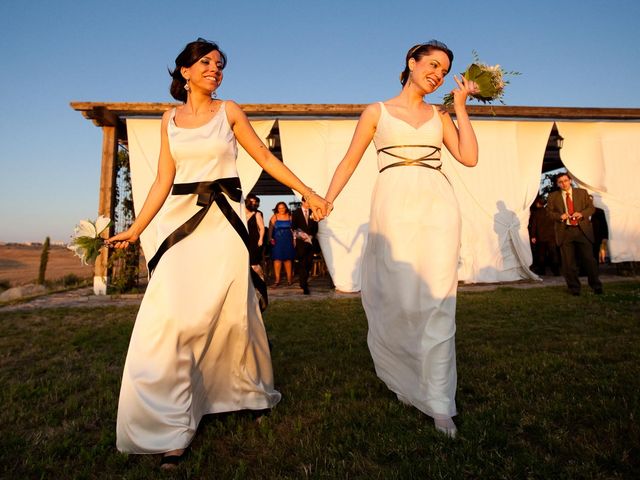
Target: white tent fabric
x=604, y=158
x=494, y=199
x=313, y=149
x=144, y=148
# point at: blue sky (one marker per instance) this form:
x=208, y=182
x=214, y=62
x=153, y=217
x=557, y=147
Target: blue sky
x=571, y=53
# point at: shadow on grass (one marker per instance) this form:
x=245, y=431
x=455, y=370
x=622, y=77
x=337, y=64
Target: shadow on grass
x=549, y=387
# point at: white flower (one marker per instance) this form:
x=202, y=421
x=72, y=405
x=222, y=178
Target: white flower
x=78, y=252
x=86, y=241
x=101, y=224
x=85, y=228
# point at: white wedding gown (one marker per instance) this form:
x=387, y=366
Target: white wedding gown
x=410, y=269
x=198, y=345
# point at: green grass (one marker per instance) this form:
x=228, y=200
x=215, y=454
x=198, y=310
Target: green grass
x=549, y=387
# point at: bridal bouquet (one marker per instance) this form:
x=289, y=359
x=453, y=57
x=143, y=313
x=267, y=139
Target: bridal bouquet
x=86, y=241
x=489, y=79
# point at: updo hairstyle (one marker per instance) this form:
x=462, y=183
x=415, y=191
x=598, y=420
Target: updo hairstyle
x=193, y=52
x=418, y=51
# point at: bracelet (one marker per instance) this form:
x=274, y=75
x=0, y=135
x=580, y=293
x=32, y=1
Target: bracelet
x=307, y=194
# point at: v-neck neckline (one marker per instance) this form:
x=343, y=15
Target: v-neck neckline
x=433, y=114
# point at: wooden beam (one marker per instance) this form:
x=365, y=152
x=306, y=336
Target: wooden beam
x=103, y=113
x=106, y=200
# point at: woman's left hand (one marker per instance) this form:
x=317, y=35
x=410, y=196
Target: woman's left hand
x=464, y=89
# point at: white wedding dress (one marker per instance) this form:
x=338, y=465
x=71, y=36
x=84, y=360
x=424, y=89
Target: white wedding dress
x=409, y=274
x=199, y=345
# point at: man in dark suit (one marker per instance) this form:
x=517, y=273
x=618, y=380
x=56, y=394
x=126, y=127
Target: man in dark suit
x=570, y=209
x=543, y=241
x=305, y=230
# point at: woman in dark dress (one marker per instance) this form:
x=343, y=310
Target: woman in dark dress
x=282, y=250
x=255, y=225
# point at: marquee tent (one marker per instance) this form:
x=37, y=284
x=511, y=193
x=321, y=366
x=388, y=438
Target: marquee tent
x=494, y=197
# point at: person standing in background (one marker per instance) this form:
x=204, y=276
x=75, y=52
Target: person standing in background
x=570, y=209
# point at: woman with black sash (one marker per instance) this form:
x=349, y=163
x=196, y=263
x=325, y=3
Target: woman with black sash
x=409, y=273
x=198, y=345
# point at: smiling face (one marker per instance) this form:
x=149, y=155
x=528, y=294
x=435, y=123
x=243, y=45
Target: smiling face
x=206, y=73
x=429, y=71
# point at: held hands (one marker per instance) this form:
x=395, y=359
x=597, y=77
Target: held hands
x=320, y=208
x=464, y=89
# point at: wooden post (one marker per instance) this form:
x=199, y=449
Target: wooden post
x=106, y=201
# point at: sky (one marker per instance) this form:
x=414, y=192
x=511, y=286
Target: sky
x=570, y=53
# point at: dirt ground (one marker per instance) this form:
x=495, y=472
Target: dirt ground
x=19, y=264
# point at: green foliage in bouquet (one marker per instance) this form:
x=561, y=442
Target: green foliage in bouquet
x=87, y=241
x=490, y=80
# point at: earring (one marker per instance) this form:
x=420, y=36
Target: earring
x=186, y=86
x=214, y=94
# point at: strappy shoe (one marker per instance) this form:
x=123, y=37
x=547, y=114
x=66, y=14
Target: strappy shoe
x=169, y=462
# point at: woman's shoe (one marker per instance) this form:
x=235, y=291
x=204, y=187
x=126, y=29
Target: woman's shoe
x=169, y=462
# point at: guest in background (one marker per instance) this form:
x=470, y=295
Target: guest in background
x=282, y=250
x=255, y=226
x=570, y=209
x=543, y=242
x=305, y=230
x=600, y=235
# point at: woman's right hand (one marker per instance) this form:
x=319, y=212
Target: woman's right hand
x=320, y=208
x=123, y=239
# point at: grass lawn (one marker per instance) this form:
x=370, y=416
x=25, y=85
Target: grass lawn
x=548, y=387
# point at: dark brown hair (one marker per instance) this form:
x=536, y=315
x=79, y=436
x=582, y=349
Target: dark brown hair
x=193, y=52
x=418, y=51
x=286, y=208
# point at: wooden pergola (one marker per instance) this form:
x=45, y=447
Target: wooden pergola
x=112, y=118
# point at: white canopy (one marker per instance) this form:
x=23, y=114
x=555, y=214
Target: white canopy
x=494, y=197
x=604, y=157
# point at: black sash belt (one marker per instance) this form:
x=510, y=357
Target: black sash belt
x=208, y=194
x=414, y=162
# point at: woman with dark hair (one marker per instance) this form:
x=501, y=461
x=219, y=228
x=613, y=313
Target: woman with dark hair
x=198, y=345
x=255, y=226
x=281, y=235
x=409, y=273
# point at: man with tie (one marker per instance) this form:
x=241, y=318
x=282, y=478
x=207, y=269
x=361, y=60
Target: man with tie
x=305, y=229
x=570, y=209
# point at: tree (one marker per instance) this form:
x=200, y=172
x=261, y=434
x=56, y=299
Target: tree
x=44, y=258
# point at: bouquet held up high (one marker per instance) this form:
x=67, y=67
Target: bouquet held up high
x=489, y=80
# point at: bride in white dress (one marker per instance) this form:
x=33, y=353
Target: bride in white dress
x=410, y=263
x=199, y=345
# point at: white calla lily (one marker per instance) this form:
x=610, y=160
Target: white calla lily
x=101, y=224
x=85, y=228
x=86, y=241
